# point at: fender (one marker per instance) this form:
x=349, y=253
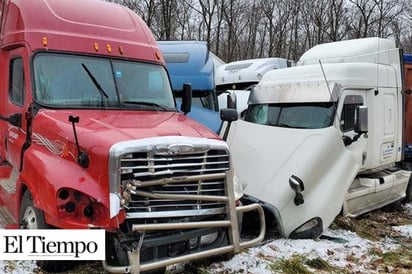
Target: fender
x=44, y=174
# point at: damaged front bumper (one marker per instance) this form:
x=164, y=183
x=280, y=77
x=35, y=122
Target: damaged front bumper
x=234, y=243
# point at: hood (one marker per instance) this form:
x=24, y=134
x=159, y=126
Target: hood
x=98, y=130
x=265, y=157
x=53, y=152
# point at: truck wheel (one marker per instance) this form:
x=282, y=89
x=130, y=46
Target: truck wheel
x=31, y=217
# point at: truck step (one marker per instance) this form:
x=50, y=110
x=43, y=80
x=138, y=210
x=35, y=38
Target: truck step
x=360, y=211
x=9, y=183
x=367, y=194
x=6, y=218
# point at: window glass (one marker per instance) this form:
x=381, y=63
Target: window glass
x=64, y=80
x=16, y=83
x=201, y=99
x=292, y=115
x=347, y=119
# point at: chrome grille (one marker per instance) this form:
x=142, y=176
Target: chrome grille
x=168, y=185
x=149, y=165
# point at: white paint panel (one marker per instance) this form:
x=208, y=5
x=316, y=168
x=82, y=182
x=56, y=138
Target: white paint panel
x=390, y=114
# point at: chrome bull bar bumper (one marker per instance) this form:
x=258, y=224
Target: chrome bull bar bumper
x=235, y=245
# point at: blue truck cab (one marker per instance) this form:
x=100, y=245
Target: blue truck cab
x=190, y=62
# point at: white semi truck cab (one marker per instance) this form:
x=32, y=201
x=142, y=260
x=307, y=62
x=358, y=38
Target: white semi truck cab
x=325, y=137
x=238, y=77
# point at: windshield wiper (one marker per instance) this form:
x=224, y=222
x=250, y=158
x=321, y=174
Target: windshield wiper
x=95, y=82
x=291, y=126
x=150, y=104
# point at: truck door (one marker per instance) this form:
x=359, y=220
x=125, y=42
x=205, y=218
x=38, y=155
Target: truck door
x=369, y=189
x=351, y=100
x=13, y=108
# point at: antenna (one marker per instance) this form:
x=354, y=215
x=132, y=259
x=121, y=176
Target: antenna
x=330, y=92
x=377, y=70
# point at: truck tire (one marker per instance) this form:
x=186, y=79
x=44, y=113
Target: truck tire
x=31, y=217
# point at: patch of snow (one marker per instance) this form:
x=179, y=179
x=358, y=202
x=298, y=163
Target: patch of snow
x=407, y=208
x=340, y=248
x=405, y=230
x=17, y=267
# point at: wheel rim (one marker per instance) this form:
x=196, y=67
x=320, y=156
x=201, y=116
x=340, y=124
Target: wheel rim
x=30, y=219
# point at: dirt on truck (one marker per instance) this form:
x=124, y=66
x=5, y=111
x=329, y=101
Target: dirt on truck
x=90, y=138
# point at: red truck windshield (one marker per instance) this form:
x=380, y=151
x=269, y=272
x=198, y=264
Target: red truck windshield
x=73, y=81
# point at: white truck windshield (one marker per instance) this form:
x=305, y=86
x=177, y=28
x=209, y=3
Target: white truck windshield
x=294, y=115
x=73, y=81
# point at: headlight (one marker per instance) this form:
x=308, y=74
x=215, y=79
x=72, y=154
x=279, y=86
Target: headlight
x=78, y=206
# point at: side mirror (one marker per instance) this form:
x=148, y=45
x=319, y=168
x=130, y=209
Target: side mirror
x=361, y=119
x=229, y=115
x=186, y=99
x=361, y=125
x=296, y=184
x=232, y=101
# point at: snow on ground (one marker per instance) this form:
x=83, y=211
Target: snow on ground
x=340, y=248
x=18, y=267
x=346, y=251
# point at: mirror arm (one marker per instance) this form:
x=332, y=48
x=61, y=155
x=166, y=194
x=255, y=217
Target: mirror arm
x=14, y=119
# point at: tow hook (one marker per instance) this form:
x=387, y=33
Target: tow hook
x=297, y=186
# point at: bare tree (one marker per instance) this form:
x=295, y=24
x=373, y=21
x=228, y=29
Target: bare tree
x=387, y=14
x=337, y=18
x=243, y=29
x=404, y=28
x=208, y=9
x=362, y=17
x=188, y=22
x=250, y=31
x=232, y=25
x=278, y=16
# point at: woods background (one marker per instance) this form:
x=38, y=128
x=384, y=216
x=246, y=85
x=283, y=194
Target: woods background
x=244, y=29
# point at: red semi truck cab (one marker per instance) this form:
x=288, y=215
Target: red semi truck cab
x=90, y=138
